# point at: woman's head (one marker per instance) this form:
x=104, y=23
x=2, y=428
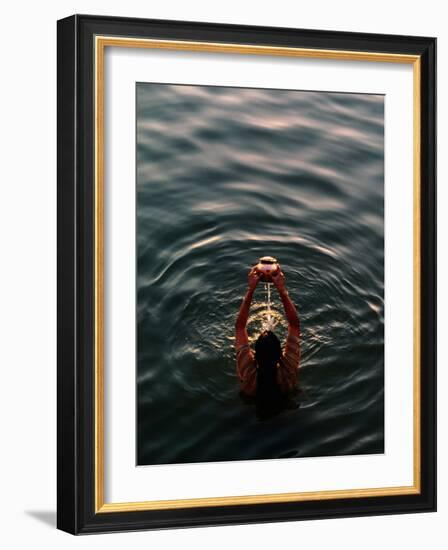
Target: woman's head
x=267, y=349
x=267, y=354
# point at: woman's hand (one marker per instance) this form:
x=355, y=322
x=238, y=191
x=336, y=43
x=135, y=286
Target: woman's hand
x=279, y=280
x=253, y=278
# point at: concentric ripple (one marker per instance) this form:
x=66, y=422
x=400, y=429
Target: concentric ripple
x=227, y=175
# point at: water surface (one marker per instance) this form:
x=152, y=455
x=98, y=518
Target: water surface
x=224, y=176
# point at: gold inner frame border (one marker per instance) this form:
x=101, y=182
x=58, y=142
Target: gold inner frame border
x=100, y=43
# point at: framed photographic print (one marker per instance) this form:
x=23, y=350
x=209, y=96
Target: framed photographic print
x=246, y=274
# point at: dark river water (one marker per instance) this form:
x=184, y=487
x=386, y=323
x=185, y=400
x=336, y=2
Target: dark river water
x=224, y=176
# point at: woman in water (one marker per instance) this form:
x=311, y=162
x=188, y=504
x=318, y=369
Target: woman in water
x=269, y=374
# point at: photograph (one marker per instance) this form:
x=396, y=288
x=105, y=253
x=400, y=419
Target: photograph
x=259, y=273
x=246, y=274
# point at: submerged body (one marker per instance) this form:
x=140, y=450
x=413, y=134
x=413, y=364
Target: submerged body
x=270, y=372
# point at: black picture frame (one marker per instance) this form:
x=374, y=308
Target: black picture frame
x=76, y=512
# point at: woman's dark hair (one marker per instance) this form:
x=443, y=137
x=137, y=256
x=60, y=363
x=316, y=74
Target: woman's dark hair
x=268, y=352
x=267, y=349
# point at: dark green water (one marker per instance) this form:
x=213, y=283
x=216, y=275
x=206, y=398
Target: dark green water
x=224, y=176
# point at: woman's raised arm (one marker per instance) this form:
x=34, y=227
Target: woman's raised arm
x=243, y=314
x=288, y=305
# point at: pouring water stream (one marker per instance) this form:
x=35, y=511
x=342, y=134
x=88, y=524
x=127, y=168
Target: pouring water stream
x=270, y=322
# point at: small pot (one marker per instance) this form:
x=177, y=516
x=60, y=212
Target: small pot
x=267, y=266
